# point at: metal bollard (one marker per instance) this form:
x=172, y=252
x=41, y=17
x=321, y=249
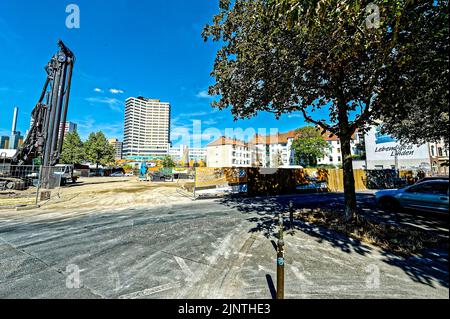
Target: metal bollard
x=291, y=214
x=280, y=261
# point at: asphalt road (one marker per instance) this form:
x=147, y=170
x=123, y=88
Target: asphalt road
x=204, y=249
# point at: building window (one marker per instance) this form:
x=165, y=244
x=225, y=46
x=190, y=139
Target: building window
x=440, y=152
x=331, y=158
x=339, y=159
x=432, y=150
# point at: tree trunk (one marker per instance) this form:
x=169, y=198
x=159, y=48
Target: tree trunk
x=349, y=179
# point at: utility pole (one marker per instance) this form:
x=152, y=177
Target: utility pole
x=280, y=260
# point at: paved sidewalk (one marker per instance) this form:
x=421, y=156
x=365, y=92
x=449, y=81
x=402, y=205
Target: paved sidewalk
x=204, y=249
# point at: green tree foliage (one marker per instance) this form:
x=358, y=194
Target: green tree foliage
x=337, y=56
x=419, y=99
x=98, y=150
x=309, y=145
x=168, y=162
x=73, y=151
x=128, y=168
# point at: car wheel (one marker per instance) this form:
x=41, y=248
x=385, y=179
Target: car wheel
x=389, y=204
x=10, y=185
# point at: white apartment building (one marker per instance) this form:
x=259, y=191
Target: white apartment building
x=228, y=152
x=273, y=150
x=334, y=156
x=177, y=152
x=195, y=154
x=147, y=129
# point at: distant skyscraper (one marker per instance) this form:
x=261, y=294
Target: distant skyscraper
x=16, y=137
x=15, y=141
x=69, y=128
x=14, y=122
x=147, y=128
x=4, y=142
x=118, y=146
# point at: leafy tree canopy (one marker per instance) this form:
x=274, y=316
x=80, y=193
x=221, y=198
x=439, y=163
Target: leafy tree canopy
x=168, y=162
x=73, y=151
x=309, y=145
x=98, y=150
x=342, y=57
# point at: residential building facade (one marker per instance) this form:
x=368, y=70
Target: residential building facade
x=273, y=150
x=439, y=158
x=118, y=148
x=184, y=153
x=334, y=155
x=197, y=154
x=147, y=129
x=228, y=152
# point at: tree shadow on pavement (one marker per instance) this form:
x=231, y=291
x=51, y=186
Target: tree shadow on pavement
x=268, y=221
x=427, y=267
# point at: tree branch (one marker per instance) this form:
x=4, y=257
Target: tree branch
x=318, y=123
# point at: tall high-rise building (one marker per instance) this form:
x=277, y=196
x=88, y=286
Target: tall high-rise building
x=147, y=129
x=4, y=142
x=15, y=141
x=118, y=147
x=16, y=137
x=14, y=122
x=70, y=127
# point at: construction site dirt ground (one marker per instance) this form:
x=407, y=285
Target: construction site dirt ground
x=99, y=193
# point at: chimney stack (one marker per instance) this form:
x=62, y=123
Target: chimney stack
x=14, y=122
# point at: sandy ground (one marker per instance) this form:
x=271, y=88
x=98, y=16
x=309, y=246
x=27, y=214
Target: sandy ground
x=101, y=193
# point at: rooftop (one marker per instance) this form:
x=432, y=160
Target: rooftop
x=227, y=141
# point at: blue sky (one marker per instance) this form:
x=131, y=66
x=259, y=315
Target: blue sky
x=124, y=48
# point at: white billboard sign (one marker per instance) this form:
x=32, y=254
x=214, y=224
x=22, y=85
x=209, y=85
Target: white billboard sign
x=383, y=147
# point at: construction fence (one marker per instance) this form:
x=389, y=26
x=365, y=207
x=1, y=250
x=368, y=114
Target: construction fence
x=28, y=185
x=272, y=181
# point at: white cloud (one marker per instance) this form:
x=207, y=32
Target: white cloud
x=98, y=90
x=89, y=125
x=203, y=94
x=113, y=104
x=210, y=122
x=201, y=113
x=193, y=114
x=295, y=116
x=194, y=134
x=5, y=89
x=116, y=91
